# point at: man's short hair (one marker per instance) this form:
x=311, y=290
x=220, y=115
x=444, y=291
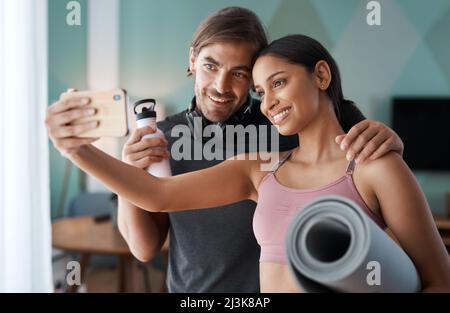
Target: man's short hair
x=231, y=24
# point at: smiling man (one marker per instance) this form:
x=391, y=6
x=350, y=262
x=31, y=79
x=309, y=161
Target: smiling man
x=212, y=250
x=222, y=78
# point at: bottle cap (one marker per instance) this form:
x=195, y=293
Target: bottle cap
x=146, y=111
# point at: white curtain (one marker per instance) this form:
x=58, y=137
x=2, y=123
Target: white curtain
x=25, y=232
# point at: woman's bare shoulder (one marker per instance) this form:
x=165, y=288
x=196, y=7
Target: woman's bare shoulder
x=384, y=167
x=388, y=174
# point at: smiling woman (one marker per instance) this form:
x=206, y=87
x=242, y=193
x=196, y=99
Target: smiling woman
x=300, y=89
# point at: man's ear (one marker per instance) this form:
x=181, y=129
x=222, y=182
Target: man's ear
x=192, y=60
x=322, y=75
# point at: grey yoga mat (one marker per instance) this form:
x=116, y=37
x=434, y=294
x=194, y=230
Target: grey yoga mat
x=333, y=246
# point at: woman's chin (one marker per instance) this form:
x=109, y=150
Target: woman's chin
x=286, y=133
x=285, y=130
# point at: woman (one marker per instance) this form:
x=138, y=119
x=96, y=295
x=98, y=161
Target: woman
x=299, y=85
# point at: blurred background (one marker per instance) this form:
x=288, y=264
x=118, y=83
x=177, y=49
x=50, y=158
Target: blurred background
x=142, y=47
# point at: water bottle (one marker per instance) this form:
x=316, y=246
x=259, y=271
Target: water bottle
x=147, y=117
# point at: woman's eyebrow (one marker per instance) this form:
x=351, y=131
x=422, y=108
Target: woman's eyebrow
x=270, y=77
x=274, y=74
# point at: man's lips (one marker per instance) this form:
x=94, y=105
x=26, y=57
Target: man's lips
x=220, y=100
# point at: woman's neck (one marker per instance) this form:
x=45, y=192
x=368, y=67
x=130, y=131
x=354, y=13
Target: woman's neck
x=317, y=139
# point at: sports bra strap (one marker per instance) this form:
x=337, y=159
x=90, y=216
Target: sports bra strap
x=349, y=171
x=284, y=159
x=350, y=167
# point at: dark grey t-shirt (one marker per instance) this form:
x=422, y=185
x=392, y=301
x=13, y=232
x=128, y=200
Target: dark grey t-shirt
x=214, y=249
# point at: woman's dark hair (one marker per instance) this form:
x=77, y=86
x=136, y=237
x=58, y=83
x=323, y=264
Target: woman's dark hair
x=231, y=24
x=306, y=51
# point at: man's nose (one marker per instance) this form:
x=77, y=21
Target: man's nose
x=222, y=83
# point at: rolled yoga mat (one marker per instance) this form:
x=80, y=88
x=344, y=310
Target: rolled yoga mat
x=333, y=246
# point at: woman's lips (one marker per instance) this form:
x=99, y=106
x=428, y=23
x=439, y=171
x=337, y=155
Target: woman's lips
x=280, y=116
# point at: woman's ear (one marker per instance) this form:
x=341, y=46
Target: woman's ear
x=322, y=75
x=192, y=58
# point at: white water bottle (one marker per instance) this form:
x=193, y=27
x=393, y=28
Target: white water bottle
x=147, y=117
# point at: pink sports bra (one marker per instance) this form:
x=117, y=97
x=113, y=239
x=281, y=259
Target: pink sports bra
x=278, y=204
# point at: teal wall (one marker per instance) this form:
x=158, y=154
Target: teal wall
x=406, y=55
x=67, y=68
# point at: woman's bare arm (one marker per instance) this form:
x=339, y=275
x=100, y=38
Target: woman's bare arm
x=408, y=216
x=225, y=183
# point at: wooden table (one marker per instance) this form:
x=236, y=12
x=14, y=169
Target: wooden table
x=85, y=236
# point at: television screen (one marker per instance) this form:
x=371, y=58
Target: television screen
x=424, y=126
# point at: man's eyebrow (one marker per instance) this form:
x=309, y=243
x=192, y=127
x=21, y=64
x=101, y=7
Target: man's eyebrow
x=270, y=77
x=239, y=67
x=211, y=60
x=242, y=67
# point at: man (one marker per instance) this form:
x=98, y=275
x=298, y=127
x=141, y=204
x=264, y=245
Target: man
x=211, y=250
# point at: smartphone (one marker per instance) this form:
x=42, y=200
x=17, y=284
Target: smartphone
x=111, y=108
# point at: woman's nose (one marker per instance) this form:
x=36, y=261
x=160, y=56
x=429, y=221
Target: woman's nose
x=269, y=102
